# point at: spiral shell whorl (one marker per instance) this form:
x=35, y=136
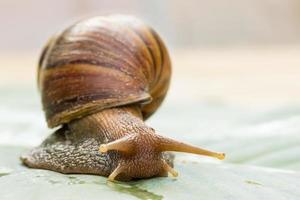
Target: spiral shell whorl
x=100, y=63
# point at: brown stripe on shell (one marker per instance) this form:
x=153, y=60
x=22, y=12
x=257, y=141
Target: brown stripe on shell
x=159, y=90
x=161, y=66
x=153, y=48
x=140, y=49
x=116, y=39
x=71, y=86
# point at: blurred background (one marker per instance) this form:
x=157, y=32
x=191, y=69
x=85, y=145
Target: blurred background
x=184, y=24
x=236, y=70
x=232, y=50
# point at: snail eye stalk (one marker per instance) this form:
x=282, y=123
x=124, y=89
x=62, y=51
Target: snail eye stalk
x=166, y=144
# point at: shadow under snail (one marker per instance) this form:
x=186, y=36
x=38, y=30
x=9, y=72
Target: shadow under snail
x=99, y=80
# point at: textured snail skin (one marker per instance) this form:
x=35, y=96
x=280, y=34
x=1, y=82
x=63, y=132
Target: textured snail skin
x=99, y=80
x=74, y=148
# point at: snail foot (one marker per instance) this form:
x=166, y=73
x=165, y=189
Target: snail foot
x=60, y=152
x=63, y=152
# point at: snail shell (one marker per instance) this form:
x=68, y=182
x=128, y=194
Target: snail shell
x=100, y=63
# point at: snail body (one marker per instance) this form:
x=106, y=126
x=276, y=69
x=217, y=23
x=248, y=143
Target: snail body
x=100, y=79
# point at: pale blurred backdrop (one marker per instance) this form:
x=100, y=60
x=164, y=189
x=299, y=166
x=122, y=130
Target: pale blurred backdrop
x=26, y=24
x=236, y=69
x=232, y=50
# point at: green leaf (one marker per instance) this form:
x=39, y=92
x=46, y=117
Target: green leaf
x=198, y=179
x=250, y=137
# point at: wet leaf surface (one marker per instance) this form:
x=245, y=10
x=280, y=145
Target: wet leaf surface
x=198, y=179
x=262, y=148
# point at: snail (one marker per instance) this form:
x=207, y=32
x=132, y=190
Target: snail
x=100, y=79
